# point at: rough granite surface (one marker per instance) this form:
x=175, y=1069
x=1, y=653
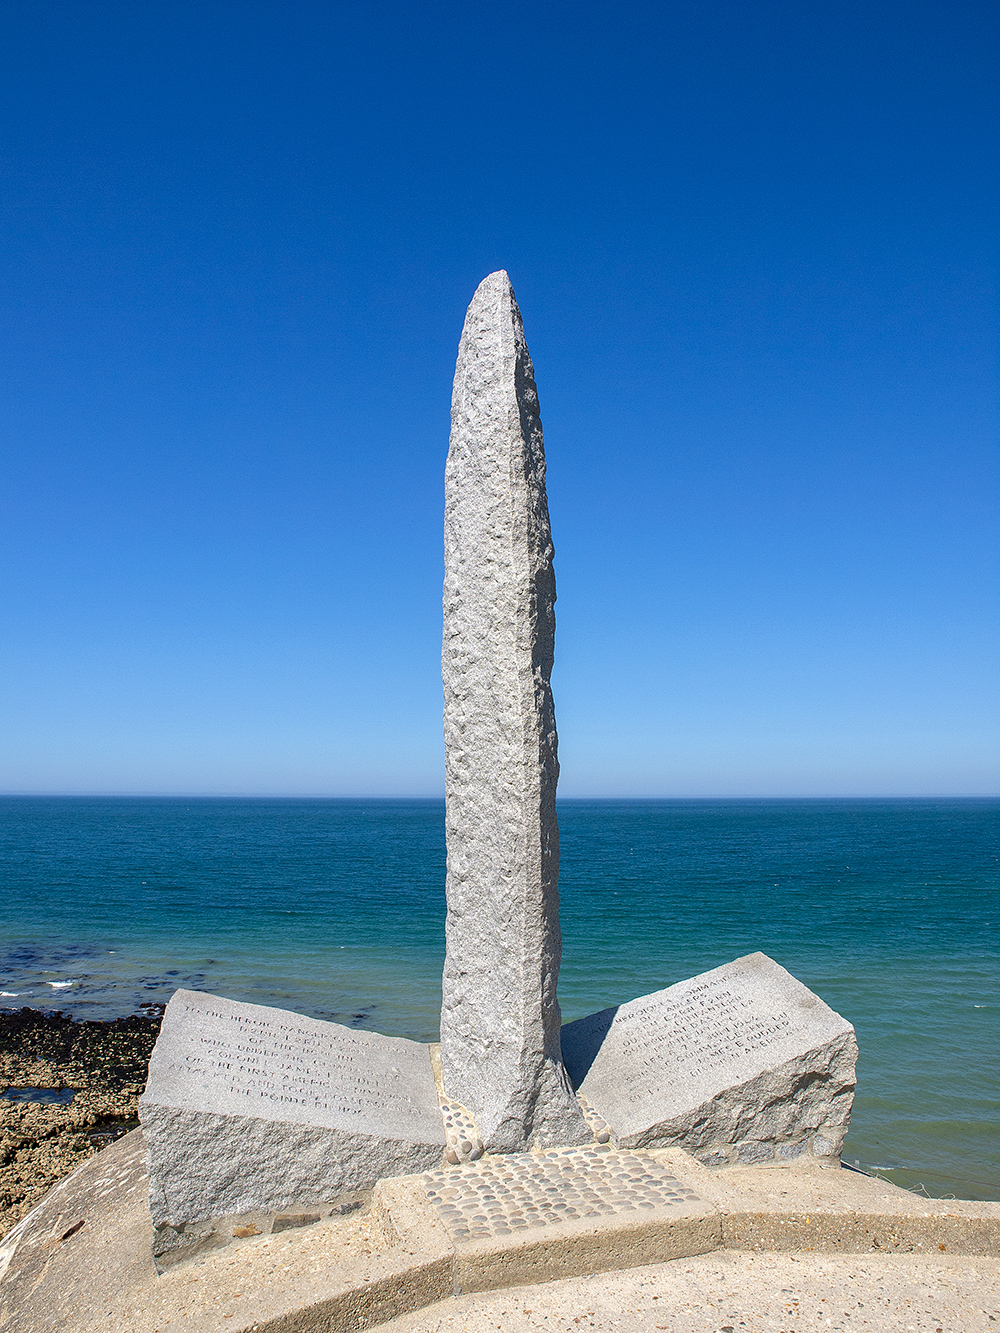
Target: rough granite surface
x=249, y=1107
x=203, y=1165
x=742, y=1064
x=500, y=1020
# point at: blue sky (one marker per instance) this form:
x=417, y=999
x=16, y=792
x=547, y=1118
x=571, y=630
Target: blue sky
x=755, y=250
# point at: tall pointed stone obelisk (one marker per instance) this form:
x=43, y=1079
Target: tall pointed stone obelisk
x=500, y=1052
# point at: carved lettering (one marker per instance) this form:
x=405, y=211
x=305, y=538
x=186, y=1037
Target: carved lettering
x=272, y=1062
x=707, y=1027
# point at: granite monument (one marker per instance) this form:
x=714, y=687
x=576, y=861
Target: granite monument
x=250, y=1108
x=500, y=1053
x=740, y=1064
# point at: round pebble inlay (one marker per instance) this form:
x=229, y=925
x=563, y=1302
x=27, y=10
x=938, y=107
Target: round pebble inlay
x=501, y=1195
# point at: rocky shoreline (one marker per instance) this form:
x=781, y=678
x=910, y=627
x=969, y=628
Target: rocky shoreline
x=100, y=1067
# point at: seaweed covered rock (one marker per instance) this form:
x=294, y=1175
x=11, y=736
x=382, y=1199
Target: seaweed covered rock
x=66, y=1090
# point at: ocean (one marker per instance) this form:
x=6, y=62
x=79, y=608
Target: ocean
x=888, y=909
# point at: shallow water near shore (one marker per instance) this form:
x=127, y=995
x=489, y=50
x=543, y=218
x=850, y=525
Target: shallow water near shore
x=335, y=908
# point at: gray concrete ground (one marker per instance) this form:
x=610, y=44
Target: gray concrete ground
x=740, y=1293
x=788, y=1249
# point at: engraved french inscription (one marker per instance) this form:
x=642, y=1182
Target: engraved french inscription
x=659, y=1058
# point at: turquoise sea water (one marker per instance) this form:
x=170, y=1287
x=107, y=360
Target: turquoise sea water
x=335, y=908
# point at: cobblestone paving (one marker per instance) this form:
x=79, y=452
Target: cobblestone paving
x=462, y=1141
x=600, y=1127
x=504, y=1195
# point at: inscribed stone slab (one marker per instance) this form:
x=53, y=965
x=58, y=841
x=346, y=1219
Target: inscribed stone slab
x=742, y=1063
x=250, y=1107
x=500, y=1017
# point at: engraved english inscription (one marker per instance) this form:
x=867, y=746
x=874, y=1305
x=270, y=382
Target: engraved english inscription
x=218, y=1056
x=282, y=1065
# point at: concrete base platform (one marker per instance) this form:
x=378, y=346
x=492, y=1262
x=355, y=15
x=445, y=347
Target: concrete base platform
x=747, y=1293
x=81, y=1261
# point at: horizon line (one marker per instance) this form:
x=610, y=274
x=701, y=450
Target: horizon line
x=404, y=796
